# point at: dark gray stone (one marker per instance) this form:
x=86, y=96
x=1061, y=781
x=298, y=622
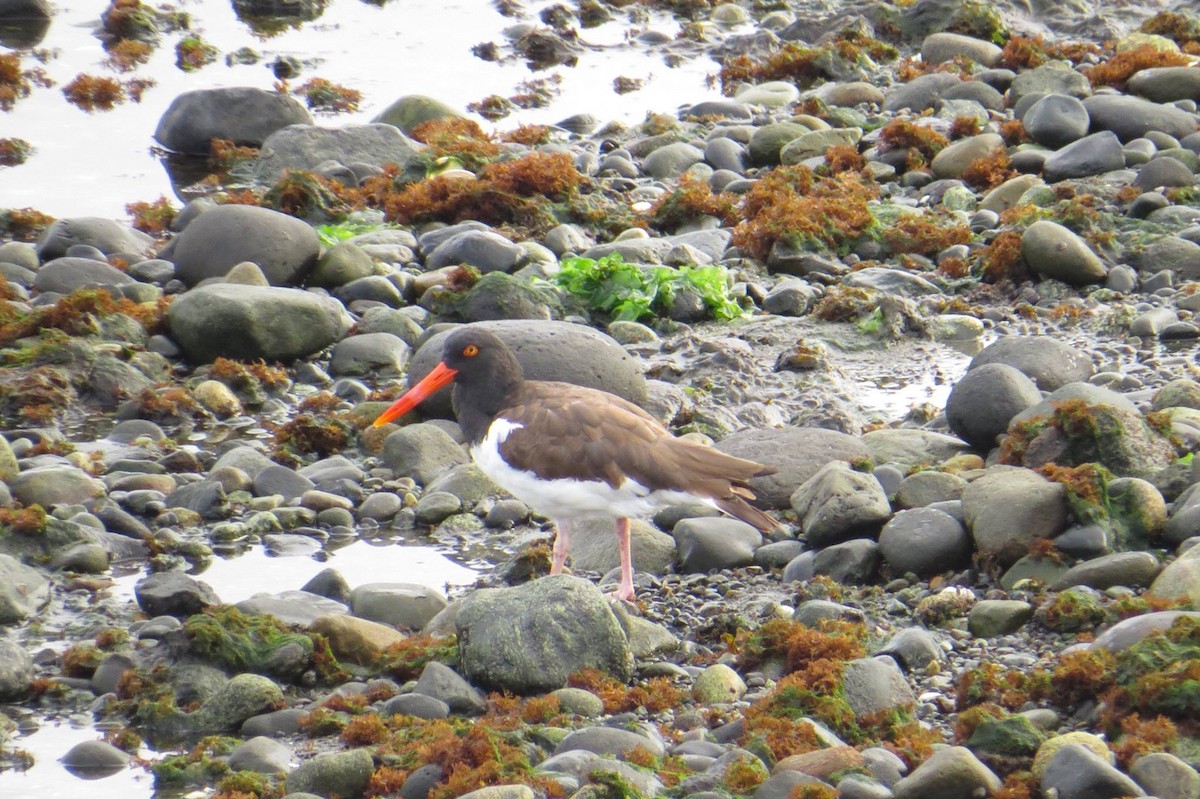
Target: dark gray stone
x=531, y=638
x=243, y=115
x=283, y=247
x=173, y=594
x=985, y=400
x=255, y=322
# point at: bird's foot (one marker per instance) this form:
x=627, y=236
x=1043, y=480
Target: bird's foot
x=623, y=593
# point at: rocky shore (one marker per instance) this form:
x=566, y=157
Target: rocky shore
x=992, y=594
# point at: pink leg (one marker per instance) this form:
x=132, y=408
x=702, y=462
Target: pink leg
x=625, y=591
x=562, y=545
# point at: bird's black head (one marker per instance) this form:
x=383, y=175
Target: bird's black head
x=481, y=366
x=479, y=357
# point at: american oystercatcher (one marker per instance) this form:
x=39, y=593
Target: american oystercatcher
x=576, y=453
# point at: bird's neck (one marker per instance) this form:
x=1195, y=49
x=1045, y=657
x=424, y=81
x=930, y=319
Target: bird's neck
x=476, y=406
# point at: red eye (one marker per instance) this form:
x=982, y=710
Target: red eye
x=470, y=350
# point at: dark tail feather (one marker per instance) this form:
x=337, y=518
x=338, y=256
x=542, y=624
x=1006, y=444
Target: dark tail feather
x=739, y=508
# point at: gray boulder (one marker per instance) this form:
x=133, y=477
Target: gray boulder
x=173, y=594
x=985, y=400
x=24, y=591
x=16, y=672
x=1056, y=120
x=715, y=543
x=838, y=503
x=796, y=454
x=106, y=235
x=305, y=147
x=1092, y=155
x=594, y=547
x=950, y=773
x=1092, y=424
x=408, y=605
x=1076, y=772
x=241, y=114
x=344, y=774
x=369, y=354
x=423, y=452
x=485, y=250
x=67, y=274
x=1007, y=509
x=924, y=541
x=547, y=350
x=1054, y=251
x=255, y=322
x=1132, y=117
x=1048, y=362
x=529, y=639
x=283, y=247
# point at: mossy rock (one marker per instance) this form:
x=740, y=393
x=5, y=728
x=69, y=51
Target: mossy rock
x=1071, y=610
x=411, y=110
x=1015, y=736
x=238, y=642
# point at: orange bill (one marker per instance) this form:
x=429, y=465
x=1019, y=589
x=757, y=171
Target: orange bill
x=442, y=375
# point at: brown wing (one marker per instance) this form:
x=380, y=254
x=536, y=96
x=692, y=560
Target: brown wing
x=579, y=433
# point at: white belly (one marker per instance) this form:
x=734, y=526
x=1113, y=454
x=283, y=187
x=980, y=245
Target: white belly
x=569, y=499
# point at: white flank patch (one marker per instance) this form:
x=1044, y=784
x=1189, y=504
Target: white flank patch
x=568, y=499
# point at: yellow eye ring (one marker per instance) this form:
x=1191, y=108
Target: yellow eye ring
x=470, y=350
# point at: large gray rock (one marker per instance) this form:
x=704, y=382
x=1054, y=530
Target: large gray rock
x=305, y=147
x=50, y=486
x=343, y=774
x=1092, y=155
x=838, y=503
x=1053, y=77
x=529, y=639
x=1054, y=251
x=875, y=685
x=283, y=247
x=439, y=681
x=920, y=93
x=951, y=773
x=1009, y=509
x=408, y=605
x=1056, y=120
x=255, y=322
x=423, y=452
x=1076, y=772
x=547, y=350
x=23, y=590
x=924, y=541
x=106, y=235
x=174, y=594
x=715, y=543
x=1178, y=254
x=1048, y=362
x=796, y=454
x=594, y=547
x=985, y=400
x=1132, y=117
x=94, y=759
x=67, y=274
x=16, y=672
x=485, y=250
x=939, y=48
x=1166, y=84
x=381, y=354
x=1092, y=424
x=241, y=114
